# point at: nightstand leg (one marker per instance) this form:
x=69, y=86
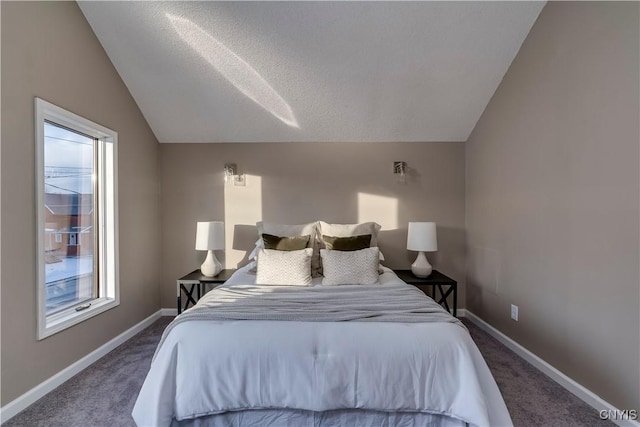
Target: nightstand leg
x=455, y=302
x=178, y=297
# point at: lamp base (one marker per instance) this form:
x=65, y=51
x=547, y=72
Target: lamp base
x=421, y=266
x=211, y=266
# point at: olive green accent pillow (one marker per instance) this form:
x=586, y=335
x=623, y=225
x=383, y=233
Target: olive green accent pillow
x=351, y=243
x=280, y=243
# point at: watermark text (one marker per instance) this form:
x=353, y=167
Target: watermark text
x=619, y=414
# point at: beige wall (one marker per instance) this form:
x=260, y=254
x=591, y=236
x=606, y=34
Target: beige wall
x=552, y=190
x=552, y=198
x=302, y=182
x=49, y=51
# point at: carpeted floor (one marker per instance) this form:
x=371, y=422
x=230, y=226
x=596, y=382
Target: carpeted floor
x=104, y=393
x=533, y=399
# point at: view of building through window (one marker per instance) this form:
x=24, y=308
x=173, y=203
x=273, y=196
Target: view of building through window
x=69, y=199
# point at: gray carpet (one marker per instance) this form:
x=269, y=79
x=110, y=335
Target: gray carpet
x=531, y=397
x=104, y=393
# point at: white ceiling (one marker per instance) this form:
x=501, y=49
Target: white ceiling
x=311, y=71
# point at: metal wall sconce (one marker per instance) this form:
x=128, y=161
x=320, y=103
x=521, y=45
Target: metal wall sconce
x=230, y=170
x=231, y=175
x=400, y=170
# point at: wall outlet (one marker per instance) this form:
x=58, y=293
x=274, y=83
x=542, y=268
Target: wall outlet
x=514, y=312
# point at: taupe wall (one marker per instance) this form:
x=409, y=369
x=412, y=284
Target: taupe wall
x=49, y=50
x=552, y=198
x=302, y=182
x=552, y=190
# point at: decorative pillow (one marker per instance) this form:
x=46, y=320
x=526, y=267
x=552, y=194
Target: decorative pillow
x=253, y=255
x=347, y=230
x=351, y=243
x=295, y=243
x=284, y=267
x=350, y=267
x=287, y=230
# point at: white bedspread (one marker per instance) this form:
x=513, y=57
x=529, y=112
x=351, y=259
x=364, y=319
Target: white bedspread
x=214, y=366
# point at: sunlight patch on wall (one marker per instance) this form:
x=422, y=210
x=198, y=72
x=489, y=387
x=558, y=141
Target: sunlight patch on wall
x=242, y=206
x=381, y=209
x=235, y=69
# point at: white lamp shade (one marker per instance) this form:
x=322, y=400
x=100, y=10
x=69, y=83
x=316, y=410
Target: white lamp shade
x=210, y=235
x=422, y=236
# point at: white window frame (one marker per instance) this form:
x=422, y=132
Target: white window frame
x=107, y=230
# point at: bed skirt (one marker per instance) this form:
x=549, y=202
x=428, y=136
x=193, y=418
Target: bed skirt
x=336, y=418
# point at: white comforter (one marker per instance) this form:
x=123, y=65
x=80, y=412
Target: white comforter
x=215, y=366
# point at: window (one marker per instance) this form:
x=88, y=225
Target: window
x=77, y=218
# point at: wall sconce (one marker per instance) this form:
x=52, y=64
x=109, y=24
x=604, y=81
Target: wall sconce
x=230, y=170
x=400, y=170
x=231, y=175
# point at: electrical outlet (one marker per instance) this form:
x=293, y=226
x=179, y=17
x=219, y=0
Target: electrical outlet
x=514, y=312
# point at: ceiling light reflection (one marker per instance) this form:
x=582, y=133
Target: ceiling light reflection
x=234, y=69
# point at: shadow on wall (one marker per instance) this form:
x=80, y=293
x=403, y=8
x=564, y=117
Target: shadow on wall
x=244, y=239
x=393, y=242
x=483, y=268
x=242, y=209
x=451, y=235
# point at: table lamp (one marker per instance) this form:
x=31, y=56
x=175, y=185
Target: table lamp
x=421, y=237
x=209, y=237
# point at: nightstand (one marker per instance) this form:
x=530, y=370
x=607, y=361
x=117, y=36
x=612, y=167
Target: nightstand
x=436, y=283
x=196, y=280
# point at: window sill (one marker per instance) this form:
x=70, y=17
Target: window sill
x=63, y=320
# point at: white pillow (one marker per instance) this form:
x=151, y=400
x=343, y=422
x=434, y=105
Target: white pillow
x=350, y=267
x=284, y=267
x=286, y=230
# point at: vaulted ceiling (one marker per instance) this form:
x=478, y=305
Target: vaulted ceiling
x=311, y=71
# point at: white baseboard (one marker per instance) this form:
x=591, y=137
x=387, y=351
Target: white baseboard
x=19, y=404
x=574, y=387
x=169, y=311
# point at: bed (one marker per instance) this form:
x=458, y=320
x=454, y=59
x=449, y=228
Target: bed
x=354, y=355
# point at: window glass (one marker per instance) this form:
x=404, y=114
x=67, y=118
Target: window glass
x=69, y=199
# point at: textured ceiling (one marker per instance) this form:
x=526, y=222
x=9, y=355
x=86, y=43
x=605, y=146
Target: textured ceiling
x=311, y=71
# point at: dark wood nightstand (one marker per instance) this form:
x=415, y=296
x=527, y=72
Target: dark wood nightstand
x=197, y=280
x=435, y=283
